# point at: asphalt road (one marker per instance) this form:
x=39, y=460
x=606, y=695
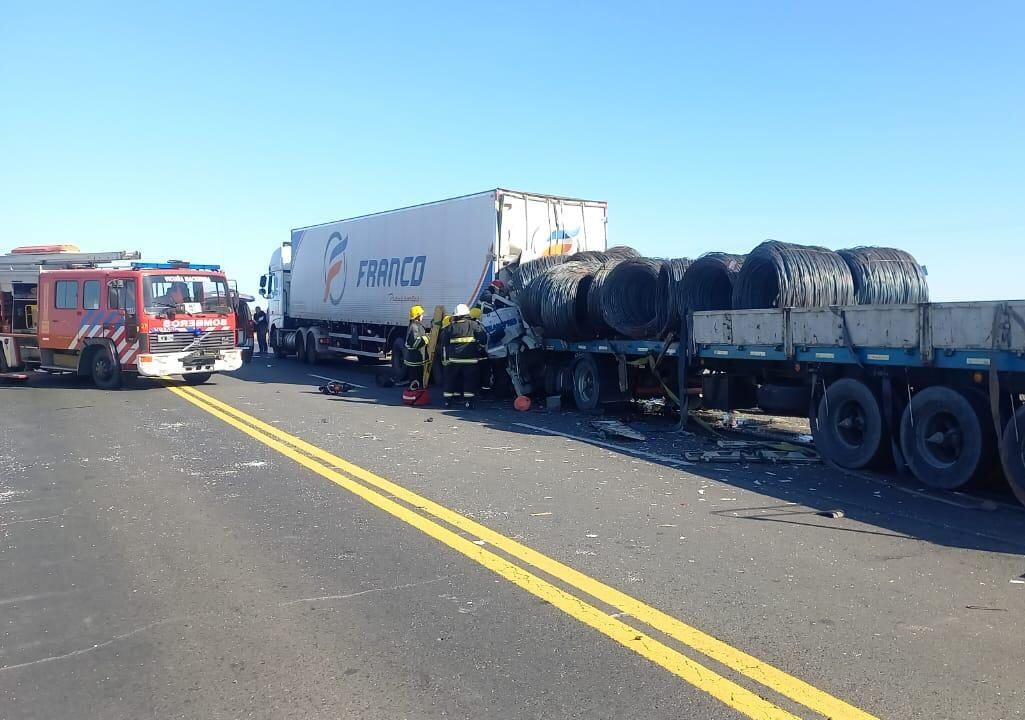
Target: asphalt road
x=163, y=554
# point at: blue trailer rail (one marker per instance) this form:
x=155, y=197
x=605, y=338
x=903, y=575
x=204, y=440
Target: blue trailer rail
x=629, y=348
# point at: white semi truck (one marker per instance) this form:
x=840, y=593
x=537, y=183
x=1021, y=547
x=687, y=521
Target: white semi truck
x=345, y=287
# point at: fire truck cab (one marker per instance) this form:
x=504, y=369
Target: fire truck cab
x=153, y=319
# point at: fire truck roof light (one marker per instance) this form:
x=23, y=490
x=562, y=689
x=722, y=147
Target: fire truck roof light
x=174, y=265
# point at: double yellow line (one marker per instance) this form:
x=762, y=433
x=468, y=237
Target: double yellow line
x=442, y=524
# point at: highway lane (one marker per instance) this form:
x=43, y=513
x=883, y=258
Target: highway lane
x=884, y=611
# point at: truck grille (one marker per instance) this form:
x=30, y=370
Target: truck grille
x=180, y=341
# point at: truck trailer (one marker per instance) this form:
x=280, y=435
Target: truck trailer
x=345, y=287
x=935, y=389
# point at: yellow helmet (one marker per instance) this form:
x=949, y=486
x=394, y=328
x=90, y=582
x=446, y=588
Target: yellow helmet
x=415, y=312
x=446, y=321
x=475, y=313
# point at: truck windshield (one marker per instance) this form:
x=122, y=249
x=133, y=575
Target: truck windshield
x=171, y=291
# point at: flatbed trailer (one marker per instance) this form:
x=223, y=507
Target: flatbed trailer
x=935, y=387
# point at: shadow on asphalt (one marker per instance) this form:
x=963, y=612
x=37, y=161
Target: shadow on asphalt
x=895, y=506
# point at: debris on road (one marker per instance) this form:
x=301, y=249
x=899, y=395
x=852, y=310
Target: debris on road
x=835, y=514
x=615, y=428
x=336, y=388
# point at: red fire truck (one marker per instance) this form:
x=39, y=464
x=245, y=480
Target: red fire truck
x=91, y=314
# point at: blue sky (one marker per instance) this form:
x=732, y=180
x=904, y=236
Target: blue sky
x=208, y=130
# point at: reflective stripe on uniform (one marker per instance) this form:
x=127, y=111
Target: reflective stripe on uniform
x=459, y=361
x=462, y=340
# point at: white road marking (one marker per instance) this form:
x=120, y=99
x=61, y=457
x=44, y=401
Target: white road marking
x=622, y=448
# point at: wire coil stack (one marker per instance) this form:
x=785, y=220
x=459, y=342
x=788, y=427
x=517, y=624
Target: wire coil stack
x=629, y=297
x=778, y=274
x=668, y=308
x=708, y=283
x=562, y=292
x=885, y=276
x=523, y=274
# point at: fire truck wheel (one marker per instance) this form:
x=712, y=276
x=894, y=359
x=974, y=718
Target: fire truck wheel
x=105, y=370
x=196, y=378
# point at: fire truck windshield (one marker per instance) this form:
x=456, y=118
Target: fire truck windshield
x=171, y=291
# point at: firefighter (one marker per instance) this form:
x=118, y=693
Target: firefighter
x=462, y=344
x=416, y=345
x=485, y=365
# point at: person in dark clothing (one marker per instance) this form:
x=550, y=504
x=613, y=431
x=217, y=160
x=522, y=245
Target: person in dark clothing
x=462, y=345
x=260, y=327
x=415, y=354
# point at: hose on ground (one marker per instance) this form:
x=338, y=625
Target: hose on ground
x=562, y=292
x=708, y=283
x=629, y=297
x=778, y=274
x=670, y=275
x=885, y=276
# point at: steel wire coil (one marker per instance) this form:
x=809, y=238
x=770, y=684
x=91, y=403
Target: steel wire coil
x=670, y=275
x=522, y=274
x=629, y=297
x=621, y=252
x=708, y=283
x=885, y=276
x=778, y=274
x=595, y=316
x=562, y=295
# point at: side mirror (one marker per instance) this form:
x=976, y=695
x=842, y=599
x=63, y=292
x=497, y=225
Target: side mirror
x=263, y=283
x=263, y=293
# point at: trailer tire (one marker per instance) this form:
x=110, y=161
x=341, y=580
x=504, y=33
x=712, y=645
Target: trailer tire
x=196, y=378
x=300, y=346
x=944, y=439
x=1012, y=454
x=850, y=430
x=311, y=349
x=587, y=383
x=784, y=400
x=104, y=368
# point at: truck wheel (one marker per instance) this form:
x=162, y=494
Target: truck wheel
x=784, y=400
x=196, y=378
x=300, y=346
x=398, y=367
x=586, y=383
x=311, y=349
x=943, y=439
x=276, y=343
x=850, y=425
x=104, y=369
x=1012, y=456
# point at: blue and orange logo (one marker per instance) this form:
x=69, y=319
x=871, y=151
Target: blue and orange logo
x=334, y=268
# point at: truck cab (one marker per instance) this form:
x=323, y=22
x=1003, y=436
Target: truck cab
x=274, y=287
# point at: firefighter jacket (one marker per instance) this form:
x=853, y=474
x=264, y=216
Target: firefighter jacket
x=416, y=345
x=463, y=342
